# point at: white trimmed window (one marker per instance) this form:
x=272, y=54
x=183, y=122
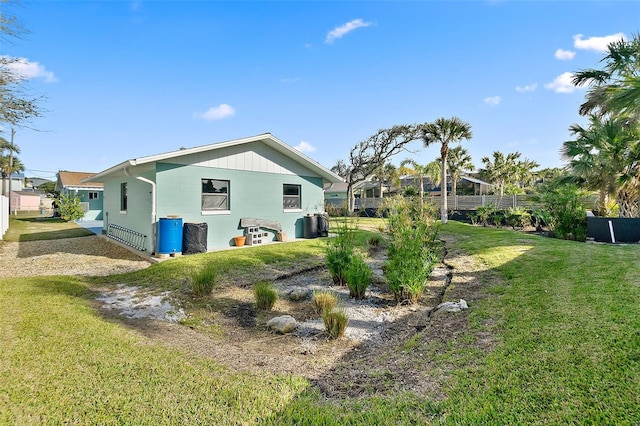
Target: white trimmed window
x=291, y=197
x=215, y=195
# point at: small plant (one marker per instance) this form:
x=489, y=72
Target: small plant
x=484, y=215
x=518, y=217
x=266, y=295
x=203, y=281
x=340, y=250
x=324, y=301
x=335, y=323
x=358, y=277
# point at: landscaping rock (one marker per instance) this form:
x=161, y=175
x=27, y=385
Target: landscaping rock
x=298, y=294
x=452, y=306
x=283, y=324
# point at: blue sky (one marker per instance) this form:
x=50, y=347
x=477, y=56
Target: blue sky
x=125, y=79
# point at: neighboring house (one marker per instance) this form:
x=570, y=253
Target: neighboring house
x=255, y=180
x=89, y=193
x=13, y=182
x=25, y=201
x=335, y=195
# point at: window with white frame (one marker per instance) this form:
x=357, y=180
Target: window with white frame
x=291, y=197
x=215, y=195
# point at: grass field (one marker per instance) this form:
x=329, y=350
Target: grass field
x=565, y=317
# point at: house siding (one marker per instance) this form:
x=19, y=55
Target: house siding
x=255, y=194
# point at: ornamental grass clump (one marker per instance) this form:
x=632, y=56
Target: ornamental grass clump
x=411, y=252
x=335, y=323
x=202, y=281
x=324, y=301
x=357, y=276
x=266, y=295
x=340, y=250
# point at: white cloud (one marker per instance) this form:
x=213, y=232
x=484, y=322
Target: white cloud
x=220, y=112
x=562, y=84
x=527, y=88
x=305, y=147
x=27, y=70
x=564, y=55
x=343, y=30
x=492, y=100
x=599, y=44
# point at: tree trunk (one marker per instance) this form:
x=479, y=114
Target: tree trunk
x=628, y=204
x=443, y=193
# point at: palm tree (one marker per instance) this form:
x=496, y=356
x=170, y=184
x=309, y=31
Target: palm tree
x=419, y=172
x=605, y=157
x=502, y=170
x=458, y=161
x=8, y=163
x=445, y=131
x=616, y=87
x=387, y=174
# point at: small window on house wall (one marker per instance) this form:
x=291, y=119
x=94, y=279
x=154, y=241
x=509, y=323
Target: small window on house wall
x=123, y=197
x=291, y=197
x=215, y=195
x=93, y=195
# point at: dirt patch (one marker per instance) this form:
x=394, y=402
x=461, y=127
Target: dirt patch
x=387, y=347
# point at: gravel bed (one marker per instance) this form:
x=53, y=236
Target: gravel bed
x=90, y=256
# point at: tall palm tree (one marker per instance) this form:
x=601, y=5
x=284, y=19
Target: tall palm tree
x=445, y=131
x=459, y=160
x=605, y=156
x=8, y=163
x=387, y=174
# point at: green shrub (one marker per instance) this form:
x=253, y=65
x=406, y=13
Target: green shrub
x=266, y=295
x=566, y=213
x=518, y=217
x=70, y=208
x=324, y=301
x=411, y=254
x=339, y=252
x=202, y=282
x=358, y=276
x=335, y=323
x=484, y=215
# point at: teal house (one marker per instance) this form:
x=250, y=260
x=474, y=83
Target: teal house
x=257, y=185
x=89, y=193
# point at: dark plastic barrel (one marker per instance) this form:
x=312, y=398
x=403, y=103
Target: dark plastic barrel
x=194, y=238
x=169, y=235
x=310, y=227
x=323, y=224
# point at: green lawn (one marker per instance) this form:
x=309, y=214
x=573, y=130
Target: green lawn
x=565, y=316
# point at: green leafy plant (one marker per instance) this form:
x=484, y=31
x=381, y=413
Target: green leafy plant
x=518, y=217
x=324, y=301
x=567, y=216
x=202, y=281
x=358, y=277
x=484, y=215
x=266, y=296
x=70, y=208
x=335, y=323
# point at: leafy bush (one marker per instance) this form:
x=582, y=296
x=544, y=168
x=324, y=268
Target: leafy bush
x=484, y=215
x=518, y=217
x=69, y=208
x=340, y=251
x=358, y=276
x=567, y=216
x=411, y=255
x=266, y=295
x=324, y=301
x=203, y=281
x=335, y=323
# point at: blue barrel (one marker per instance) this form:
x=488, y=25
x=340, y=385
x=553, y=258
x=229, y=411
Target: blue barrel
x=169, y=235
